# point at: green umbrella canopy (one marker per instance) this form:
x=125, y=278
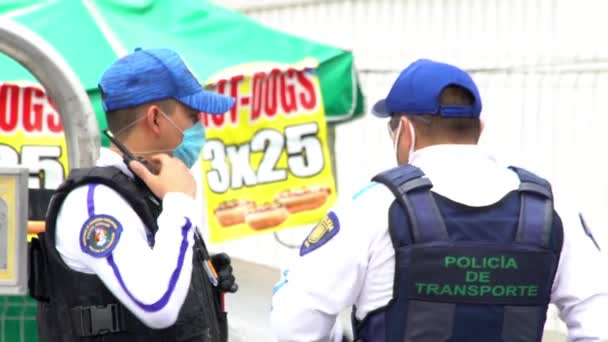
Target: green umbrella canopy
x=91, y=34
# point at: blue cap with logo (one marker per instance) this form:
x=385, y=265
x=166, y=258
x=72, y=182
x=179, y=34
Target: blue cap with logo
x=147, y=75
x=417, y=90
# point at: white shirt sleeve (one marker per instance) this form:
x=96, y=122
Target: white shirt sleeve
x=322, y=282
x=580, y=288
x=152, y=282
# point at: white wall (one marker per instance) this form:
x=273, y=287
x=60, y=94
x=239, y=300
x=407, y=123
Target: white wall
x=541, y=65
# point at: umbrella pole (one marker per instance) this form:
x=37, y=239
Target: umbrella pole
x=63, y=87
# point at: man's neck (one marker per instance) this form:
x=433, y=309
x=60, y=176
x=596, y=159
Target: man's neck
x=116, y=149
x=128, y=145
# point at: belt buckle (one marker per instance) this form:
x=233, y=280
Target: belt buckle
x=100, y=320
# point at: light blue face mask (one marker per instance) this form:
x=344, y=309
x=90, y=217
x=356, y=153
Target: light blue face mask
x=193, y=140
x=192, y=145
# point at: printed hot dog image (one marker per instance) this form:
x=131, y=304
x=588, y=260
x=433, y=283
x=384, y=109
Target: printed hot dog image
x=266, y=216
x=232, y=212
x=305, y=198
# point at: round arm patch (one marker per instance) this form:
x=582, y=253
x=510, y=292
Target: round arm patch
x=323, y=232
x=99, y=235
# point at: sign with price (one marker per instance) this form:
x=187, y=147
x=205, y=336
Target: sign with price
x=266, y=163
x=32, y=134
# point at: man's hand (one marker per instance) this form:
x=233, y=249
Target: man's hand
x=226, y=281
x=173, y=176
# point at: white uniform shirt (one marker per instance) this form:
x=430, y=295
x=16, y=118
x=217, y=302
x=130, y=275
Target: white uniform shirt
x=356, y=266
x=151, y=282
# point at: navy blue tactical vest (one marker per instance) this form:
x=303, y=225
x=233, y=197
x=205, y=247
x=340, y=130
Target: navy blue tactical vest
x=467, y=273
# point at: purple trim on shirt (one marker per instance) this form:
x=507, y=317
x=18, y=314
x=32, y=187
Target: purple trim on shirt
x=162, y=302
x=91, y=199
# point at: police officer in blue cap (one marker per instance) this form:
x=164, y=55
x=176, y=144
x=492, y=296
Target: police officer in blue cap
x=122, y=258
x=450, y=246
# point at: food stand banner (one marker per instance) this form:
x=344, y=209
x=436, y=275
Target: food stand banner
x=266, y=163
x=32, y=134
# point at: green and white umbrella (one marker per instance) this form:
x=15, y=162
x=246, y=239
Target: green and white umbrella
x=91, y=34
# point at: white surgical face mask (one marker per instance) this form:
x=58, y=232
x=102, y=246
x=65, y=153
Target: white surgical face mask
x=412, y=142
x=398, y=137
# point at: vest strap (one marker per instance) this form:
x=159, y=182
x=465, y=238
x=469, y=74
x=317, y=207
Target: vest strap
x=536, y=197
x=413, y=191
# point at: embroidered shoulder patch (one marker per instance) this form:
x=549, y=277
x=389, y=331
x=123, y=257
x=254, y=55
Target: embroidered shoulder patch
x=323, y=232
x=99, y=235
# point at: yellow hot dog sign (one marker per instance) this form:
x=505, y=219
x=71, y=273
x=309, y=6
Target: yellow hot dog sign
x=266, y=163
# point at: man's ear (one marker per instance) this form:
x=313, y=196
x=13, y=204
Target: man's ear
x=153, y=114
x=405, y=130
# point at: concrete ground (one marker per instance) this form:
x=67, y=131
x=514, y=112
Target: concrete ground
x=249, y=308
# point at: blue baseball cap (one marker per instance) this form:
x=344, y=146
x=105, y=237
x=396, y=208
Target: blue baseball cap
x=417, y=90
x=147, y=75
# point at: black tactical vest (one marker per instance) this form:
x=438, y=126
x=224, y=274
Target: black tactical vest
x=75, y=306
